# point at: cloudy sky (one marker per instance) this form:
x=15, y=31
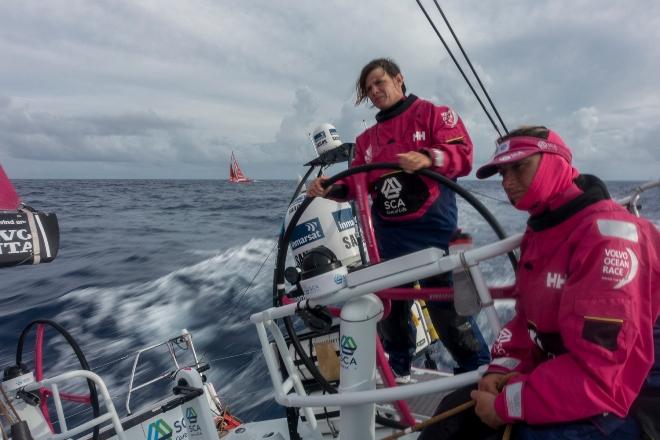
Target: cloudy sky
x=166, y=89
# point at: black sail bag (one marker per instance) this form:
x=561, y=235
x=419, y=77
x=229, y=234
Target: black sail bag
x=28, y=236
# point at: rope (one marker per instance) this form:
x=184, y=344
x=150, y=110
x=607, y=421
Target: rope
x=435, y=419
x=460, y=69
x=474, y=72
x=235, y=355
x=507, y=432
x=6, y=415
x=453, y=411
x=252, y=280
x=505, y=202
x=11, y=407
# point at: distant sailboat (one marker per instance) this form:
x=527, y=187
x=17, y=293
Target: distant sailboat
x=235, y=173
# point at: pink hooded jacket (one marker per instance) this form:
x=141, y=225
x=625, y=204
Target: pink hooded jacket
x=414, y=125
x=587, y=299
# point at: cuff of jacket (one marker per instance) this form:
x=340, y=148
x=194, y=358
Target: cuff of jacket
x=437, y=156
x=509, y=403
x=503, y=365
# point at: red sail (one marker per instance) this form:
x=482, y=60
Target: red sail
x=235, y=173
x=9, y=200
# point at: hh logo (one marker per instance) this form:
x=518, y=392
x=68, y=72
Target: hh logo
x=159, y=430
x=391, y=188
x=419, y=136
x=555, y=280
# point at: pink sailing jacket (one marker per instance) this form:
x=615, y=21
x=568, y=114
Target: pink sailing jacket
x=587, y=298
x=412, y=125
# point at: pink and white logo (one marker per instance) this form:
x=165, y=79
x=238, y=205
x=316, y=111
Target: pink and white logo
x=547, y=146
x=450, y=118
x=419, y=136
x=620, y=266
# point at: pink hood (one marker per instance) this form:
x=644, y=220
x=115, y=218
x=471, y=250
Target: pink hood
x=552, y=185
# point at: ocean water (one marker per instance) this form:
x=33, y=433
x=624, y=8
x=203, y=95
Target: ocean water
x=140, y=260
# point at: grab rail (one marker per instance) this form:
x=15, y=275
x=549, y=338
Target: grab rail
x=110, y=415
x=398, y=271
x=184, y=337
x=630, y=201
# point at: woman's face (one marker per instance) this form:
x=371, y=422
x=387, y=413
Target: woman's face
x=517, y=176
x=383, y=90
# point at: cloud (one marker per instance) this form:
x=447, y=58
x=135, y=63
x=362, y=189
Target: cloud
x=173, y=82
x=293, y=134
x=138, y=136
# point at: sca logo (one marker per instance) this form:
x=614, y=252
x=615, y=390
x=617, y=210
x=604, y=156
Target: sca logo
x=191, y=415
x=306, y=233
x=344, y=219
x=348, y=348
x=159, y=430
x=391, y=188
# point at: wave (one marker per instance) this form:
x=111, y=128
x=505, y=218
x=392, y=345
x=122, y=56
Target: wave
x=213, y=299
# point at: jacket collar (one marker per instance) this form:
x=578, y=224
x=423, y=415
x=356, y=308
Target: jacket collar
x=396, y=109
x=594, y=190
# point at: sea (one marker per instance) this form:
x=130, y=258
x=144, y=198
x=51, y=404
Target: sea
x=141, y=260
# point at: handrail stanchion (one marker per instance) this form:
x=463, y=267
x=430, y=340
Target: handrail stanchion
x=282, y=388
x=58, y=407
x=111, y=414
x=358, y=364
x=487, y=303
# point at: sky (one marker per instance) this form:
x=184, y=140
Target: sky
x=167, y=89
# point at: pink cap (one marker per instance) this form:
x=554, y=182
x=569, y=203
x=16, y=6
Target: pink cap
x=520, y=147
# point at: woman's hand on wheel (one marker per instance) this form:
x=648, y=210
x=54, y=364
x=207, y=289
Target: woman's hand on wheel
x=316, y=188
x=413, y=161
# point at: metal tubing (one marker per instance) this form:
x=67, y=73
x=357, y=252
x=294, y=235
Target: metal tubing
x=352, y=398
x=386, y=394
x=441, y=265
x=487, y=304
x=58, y=407
x=103, y=391
x=293, y=374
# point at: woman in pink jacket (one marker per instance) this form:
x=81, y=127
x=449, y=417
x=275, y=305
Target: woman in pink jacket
x=581, y=345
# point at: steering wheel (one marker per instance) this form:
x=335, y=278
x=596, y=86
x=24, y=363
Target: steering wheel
x=283, y=245
x=91, y=398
